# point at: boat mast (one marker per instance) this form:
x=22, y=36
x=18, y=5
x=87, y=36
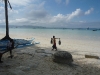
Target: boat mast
x=6, y=18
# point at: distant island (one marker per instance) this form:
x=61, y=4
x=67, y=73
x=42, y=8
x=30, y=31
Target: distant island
x=22, y=26
x=42, y=27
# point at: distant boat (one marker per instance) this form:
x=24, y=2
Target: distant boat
x=94, y=30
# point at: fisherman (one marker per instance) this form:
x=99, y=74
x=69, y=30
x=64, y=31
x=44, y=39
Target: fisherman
x=53, y=41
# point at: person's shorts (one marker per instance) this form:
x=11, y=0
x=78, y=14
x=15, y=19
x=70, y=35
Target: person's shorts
x=54, y=47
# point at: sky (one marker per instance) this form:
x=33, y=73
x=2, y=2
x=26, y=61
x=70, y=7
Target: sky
x=53, y=13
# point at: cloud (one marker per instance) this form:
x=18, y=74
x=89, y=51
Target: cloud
x=58, y=1
x=76, y=13
x=20, y=21
x=20, y=2
x=36, y=11
x=39, y=6
x=62, y=1
x=13, y=11
x=1, y=8
x=30, y=13
x=66, y=18
x=2, y=21
x=37, y=14
x=89, y=11
x=1, y=13
x=67, y=2
x=39, y=17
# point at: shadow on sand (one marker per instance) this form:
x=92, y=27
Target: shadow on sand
x=37, y=60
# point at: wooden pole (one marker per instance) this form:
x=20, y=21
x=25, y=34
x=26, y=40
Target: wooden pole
x=6, y=18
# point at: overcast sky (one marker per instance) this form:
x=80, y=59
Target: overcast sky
x=56, y=13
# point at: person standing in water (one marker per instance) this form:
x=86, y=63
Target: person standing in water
x=53, y=41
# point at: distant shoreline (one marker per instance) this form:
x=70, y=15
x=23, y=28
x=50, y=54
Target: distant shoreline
x=54, y=28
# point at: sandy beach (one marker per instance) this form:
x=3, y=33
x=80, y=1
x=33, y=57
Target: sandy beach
x=49, y=37
x=37, y=59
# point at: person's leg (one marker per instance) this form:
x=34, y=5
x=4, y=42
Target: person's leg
x=0, y=58
x=10, y=53
x=53, y=47
x=56, y=48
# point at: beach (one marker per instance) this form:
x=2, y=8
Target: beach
x=37, y=59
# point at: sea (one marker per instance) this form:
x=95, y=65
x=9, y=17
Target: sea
x=92, y=34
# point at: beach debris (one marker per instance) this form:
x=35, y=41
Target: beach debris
x=62, y=57
x=91, y=56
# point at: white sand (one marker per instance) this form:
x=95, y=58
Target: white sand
x=37, y=59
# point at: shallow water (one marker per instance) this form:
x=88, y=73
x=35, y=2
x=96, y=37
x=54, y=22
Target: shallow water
x=78, y=34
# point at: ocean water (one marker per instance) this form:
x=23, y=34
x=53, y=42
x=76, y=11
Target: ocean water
x=78, y=34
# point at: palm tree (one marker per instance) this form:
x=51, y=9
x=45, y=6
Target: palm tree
x=6, y=19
